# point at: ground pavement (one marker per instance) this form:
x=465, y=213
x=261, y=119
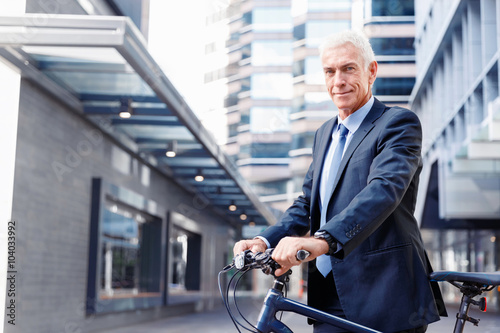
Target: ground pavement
x=217, y=321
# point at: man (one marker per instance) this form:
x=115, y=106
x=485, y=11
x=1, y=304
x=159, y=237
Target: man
x=358, y=201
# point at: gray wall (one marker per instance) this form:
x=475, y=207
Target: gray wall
x=58, y=154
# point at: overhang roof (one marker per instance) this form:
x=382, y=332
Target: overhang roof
x=100, y=64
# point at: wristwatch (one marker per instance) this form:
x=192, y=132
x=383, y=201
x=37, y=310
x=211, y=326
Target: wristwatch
x=332, y=244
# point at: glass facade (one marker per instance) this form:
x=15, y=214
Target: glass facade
x=393, y=86
x=313, y=32
x=393, y=46
x=393, y=7
x=303, y=140
x=271, y=86
x=271, y=53
x=264, y=150
x=271, y=19
x=269, y=119
x=271, y=188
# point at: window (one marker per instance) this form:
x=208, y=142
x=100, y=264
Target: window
x=184, y=271
x=303, y=140
x=313, y=101
x=272, y=19
x=126, y=241
x=393, y=8
x=126, y=261
x=271, y=86
x=313, y=71
x=185, y=247
x=269, y=119
x=393, y=86
x=393, y=46
x=265, y=150
x=272, y=53
x=271, y=188
x=316, y=31
x=330, y=6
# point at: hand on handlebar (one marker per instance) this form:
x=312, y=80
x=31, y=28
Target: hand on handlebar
x=285, y=253
x=254, y=245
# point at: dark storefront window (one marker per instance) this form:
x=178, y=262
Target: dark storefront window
x=185, y=267
x=126, y=252
x=127, y=245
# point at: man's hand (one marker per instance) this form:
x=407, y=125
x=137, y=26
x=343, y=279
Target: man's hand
x=286, y=251
x=254, y=245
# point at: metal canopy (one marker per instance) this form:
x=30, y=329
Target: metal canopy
x=100, y=66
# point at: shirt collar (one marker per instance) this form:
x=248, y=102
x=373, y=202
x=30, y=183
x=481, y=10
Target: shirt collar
x=354, y=120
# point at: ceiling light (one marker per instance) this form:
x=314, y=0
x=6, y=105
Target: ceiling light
x=243, y=217
x=125, y=108
x=232, y=207
x=199, y=178
x=172, y=149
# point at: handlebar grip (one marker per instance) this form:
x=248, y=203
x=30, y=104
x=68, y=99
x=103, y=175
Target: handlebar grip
x=302, y=254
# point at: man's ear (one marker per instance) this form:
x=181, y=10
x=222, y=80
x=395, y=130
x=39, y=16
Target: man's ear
x=372, y=69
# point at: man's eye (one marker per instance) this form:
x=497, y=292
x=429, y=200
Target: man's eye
x=350, y=69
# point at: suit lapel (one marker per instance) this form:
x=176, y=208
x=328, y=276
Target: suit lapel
x=363, y=130
x=320, y=155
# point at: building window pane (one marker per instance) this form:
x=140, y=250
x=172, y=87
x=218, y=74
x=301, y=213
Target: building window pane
x=313, y=71
x=316, y=31
x=303, y=140
x=271, y=52
x=393, y=8
x=314, y=101
x=299, y=32
x=125, y=253
x=393, y=46
x=271, y=86
x=125, y=271
x=393, y=86
x=185, y=264
x=269, y=119
x=271, y=188
x=329, y=5
x=265, y=150
x=277, y=19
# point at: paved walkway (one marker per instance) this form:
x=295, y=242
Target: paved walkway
x=218, y=321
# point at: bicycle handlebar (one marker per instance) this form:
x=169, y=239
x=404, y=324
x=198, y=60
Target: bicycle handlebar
x=262, y=260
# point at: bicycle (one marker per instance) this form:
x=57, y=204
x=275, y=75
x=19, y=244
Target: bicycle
x=470, y=284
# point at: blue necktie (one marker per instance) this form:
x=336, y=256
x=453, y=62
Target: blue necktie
x=323, y=262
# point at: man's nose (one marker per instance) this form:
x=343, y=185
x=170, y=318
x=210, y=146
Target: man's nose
x=338, y=79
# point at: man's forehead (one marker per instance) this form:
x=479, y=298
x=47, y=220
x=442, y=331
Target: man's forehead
x=341, y=59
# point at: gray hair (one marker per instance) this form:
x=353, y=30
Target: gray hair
x=358, y=39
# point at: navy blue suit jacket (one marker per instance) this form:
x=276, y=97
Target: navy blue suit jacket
x=381, y=273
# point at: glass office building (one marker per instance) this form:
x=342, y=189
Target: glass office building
x=275, y=95
x=312, y=106
x=390, y=26
x=456, y=96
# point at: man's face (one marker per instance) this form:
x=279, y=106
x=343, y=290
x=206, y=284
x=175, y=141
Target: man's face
x=347, y=80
